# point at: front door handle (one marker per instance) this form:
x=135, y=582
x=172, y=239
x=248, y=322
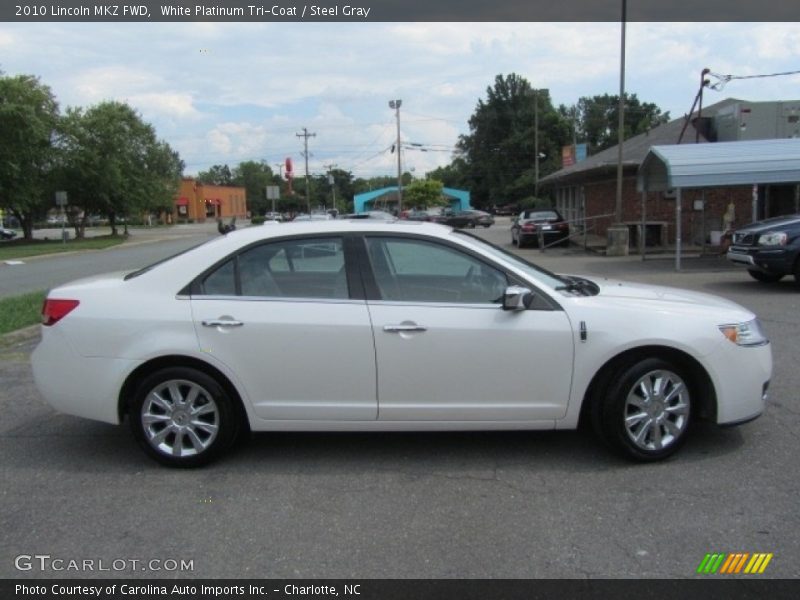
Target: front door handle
x=222, y=323
x=404, y=328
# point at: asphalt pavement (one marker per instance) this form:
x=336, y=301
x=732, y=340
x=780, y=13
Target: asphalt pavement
x=433, y=505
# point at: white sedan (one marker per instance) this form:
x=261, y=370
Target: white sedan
x=354, y=325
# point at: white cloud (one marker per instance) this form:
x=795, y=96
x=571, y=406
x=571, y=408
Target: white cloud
x=225, y=92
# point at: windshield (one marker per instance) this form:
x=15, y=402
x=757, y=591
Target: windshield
x=535, y=272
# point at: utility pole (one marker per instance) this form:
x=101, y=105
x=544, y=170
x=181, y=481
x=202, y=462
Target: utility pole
x=618, y=234
x=536, y=143
x=305, y=135
x=280, y=177
x=329, y=169
x=396, y=104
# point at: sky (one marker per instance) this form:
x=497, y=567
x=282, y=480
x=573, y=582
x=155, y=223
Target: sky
x=222, y=93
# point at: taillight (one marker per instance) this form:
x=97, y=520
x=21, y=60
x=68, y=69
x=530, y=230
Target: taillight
x=54, y=310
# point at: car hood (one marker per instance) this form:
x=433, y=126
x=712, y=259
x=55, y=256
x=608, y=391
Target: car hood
x=640, y=291
x=770, y=225
x=651, y=295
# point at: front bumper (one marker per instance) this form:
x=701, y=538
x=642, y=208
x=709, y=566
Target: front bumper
x=772, y=260
x=741, y=376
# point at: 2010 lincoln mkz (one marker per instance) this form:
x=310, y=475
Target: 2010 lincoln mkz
x=360, y=326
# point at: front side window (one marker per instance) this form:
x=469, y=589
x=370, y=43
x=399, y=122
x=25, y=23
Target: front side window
x=304, y=268
x=410, y=270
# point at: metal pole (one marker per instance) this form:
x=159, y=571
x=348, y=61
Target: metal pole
x=643, y=234
x=536, y=143
x=280, y=177
x=395, y=104
x=678, y=200
x=621, y=110
x=305, y=135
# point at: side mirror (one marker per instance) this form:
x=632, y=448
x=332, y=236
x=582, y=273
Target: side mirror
x=517, y=298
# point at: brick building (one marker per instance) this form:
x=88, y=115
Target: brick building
x=587, y=189
x=197, y=201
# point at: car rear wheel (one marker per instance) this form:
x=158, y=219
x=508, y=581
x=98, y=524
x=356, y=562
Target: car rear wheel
x=764, y=277
x=645, y=410
x=182, y=417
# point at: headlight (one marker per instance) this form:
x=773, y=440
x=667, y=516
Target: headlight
x=772, y=239
x=745, y=334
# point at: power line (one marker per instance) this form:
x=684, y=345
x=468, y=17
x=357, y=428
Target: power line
x=724, y=79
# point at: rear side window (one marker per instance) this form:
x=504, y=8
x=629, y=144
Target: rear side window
x=222, y=281
x=298, y=268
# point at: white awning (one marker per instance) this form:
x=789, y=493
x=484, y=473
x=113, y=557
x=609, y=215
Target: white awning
x=720, y=164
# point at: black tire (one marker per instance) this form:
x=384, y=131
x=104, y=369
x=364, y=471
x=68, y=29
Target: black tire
x=183, y=417
x=641, y=429
x=765, y=277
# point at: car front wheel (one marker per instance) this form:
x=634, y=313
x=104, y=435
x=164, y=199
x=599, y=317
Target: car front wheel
x=764, y=277
x=645, y=410
x=182, y=417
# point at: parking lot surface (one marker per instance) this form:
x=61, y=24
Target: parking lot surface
x=473, y=505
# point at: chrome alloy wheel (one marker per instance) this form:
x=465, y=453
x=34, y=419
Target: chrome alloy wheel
x=180, y=418
x=657, y=410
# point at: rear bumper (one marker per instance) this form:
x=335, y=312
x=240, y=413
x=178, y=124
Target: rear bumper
x=549, y=237
x=76, y=385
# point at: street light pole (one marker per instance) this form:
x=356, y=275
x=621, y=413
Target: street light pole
x=395, y=104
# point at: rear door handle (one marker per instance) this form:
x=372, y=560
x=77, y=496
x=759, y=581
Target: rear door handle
x=222, y=323
x=403, y=328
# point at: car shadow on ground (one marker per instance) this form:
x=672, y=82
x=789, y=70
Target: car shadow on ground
x=77, y=445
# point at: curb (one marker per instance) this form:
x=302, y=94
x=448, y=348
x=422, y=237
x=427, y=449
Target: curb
x=127, y=243
x=20, y=335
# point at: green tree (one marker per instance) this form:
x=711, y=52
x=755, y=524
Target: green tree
x=454, y=175
x=254, y=177
x=499, y=151
x=113, y=164
x=217, y=175
x=596, y=119
x=29, y=119
x=423, y=193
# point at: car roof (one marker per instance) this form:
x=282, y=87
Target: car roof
x=334, y=226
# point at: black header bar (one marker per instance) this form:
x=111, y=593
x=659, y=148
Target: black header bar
x=270, y=11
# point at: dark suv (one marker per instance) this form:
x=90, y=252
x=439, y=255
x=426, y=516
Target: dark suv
x=769, y=249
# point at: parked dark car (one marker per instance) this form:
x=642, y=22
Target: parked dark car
x=532, y=224
x=417, y=215
x=466, y=218
x=769, y=249
x=7, y=234
x=505, y=210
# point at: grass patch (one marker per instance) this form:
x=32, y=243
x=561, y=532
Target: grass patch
x=24, y=249
x=17, y=312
